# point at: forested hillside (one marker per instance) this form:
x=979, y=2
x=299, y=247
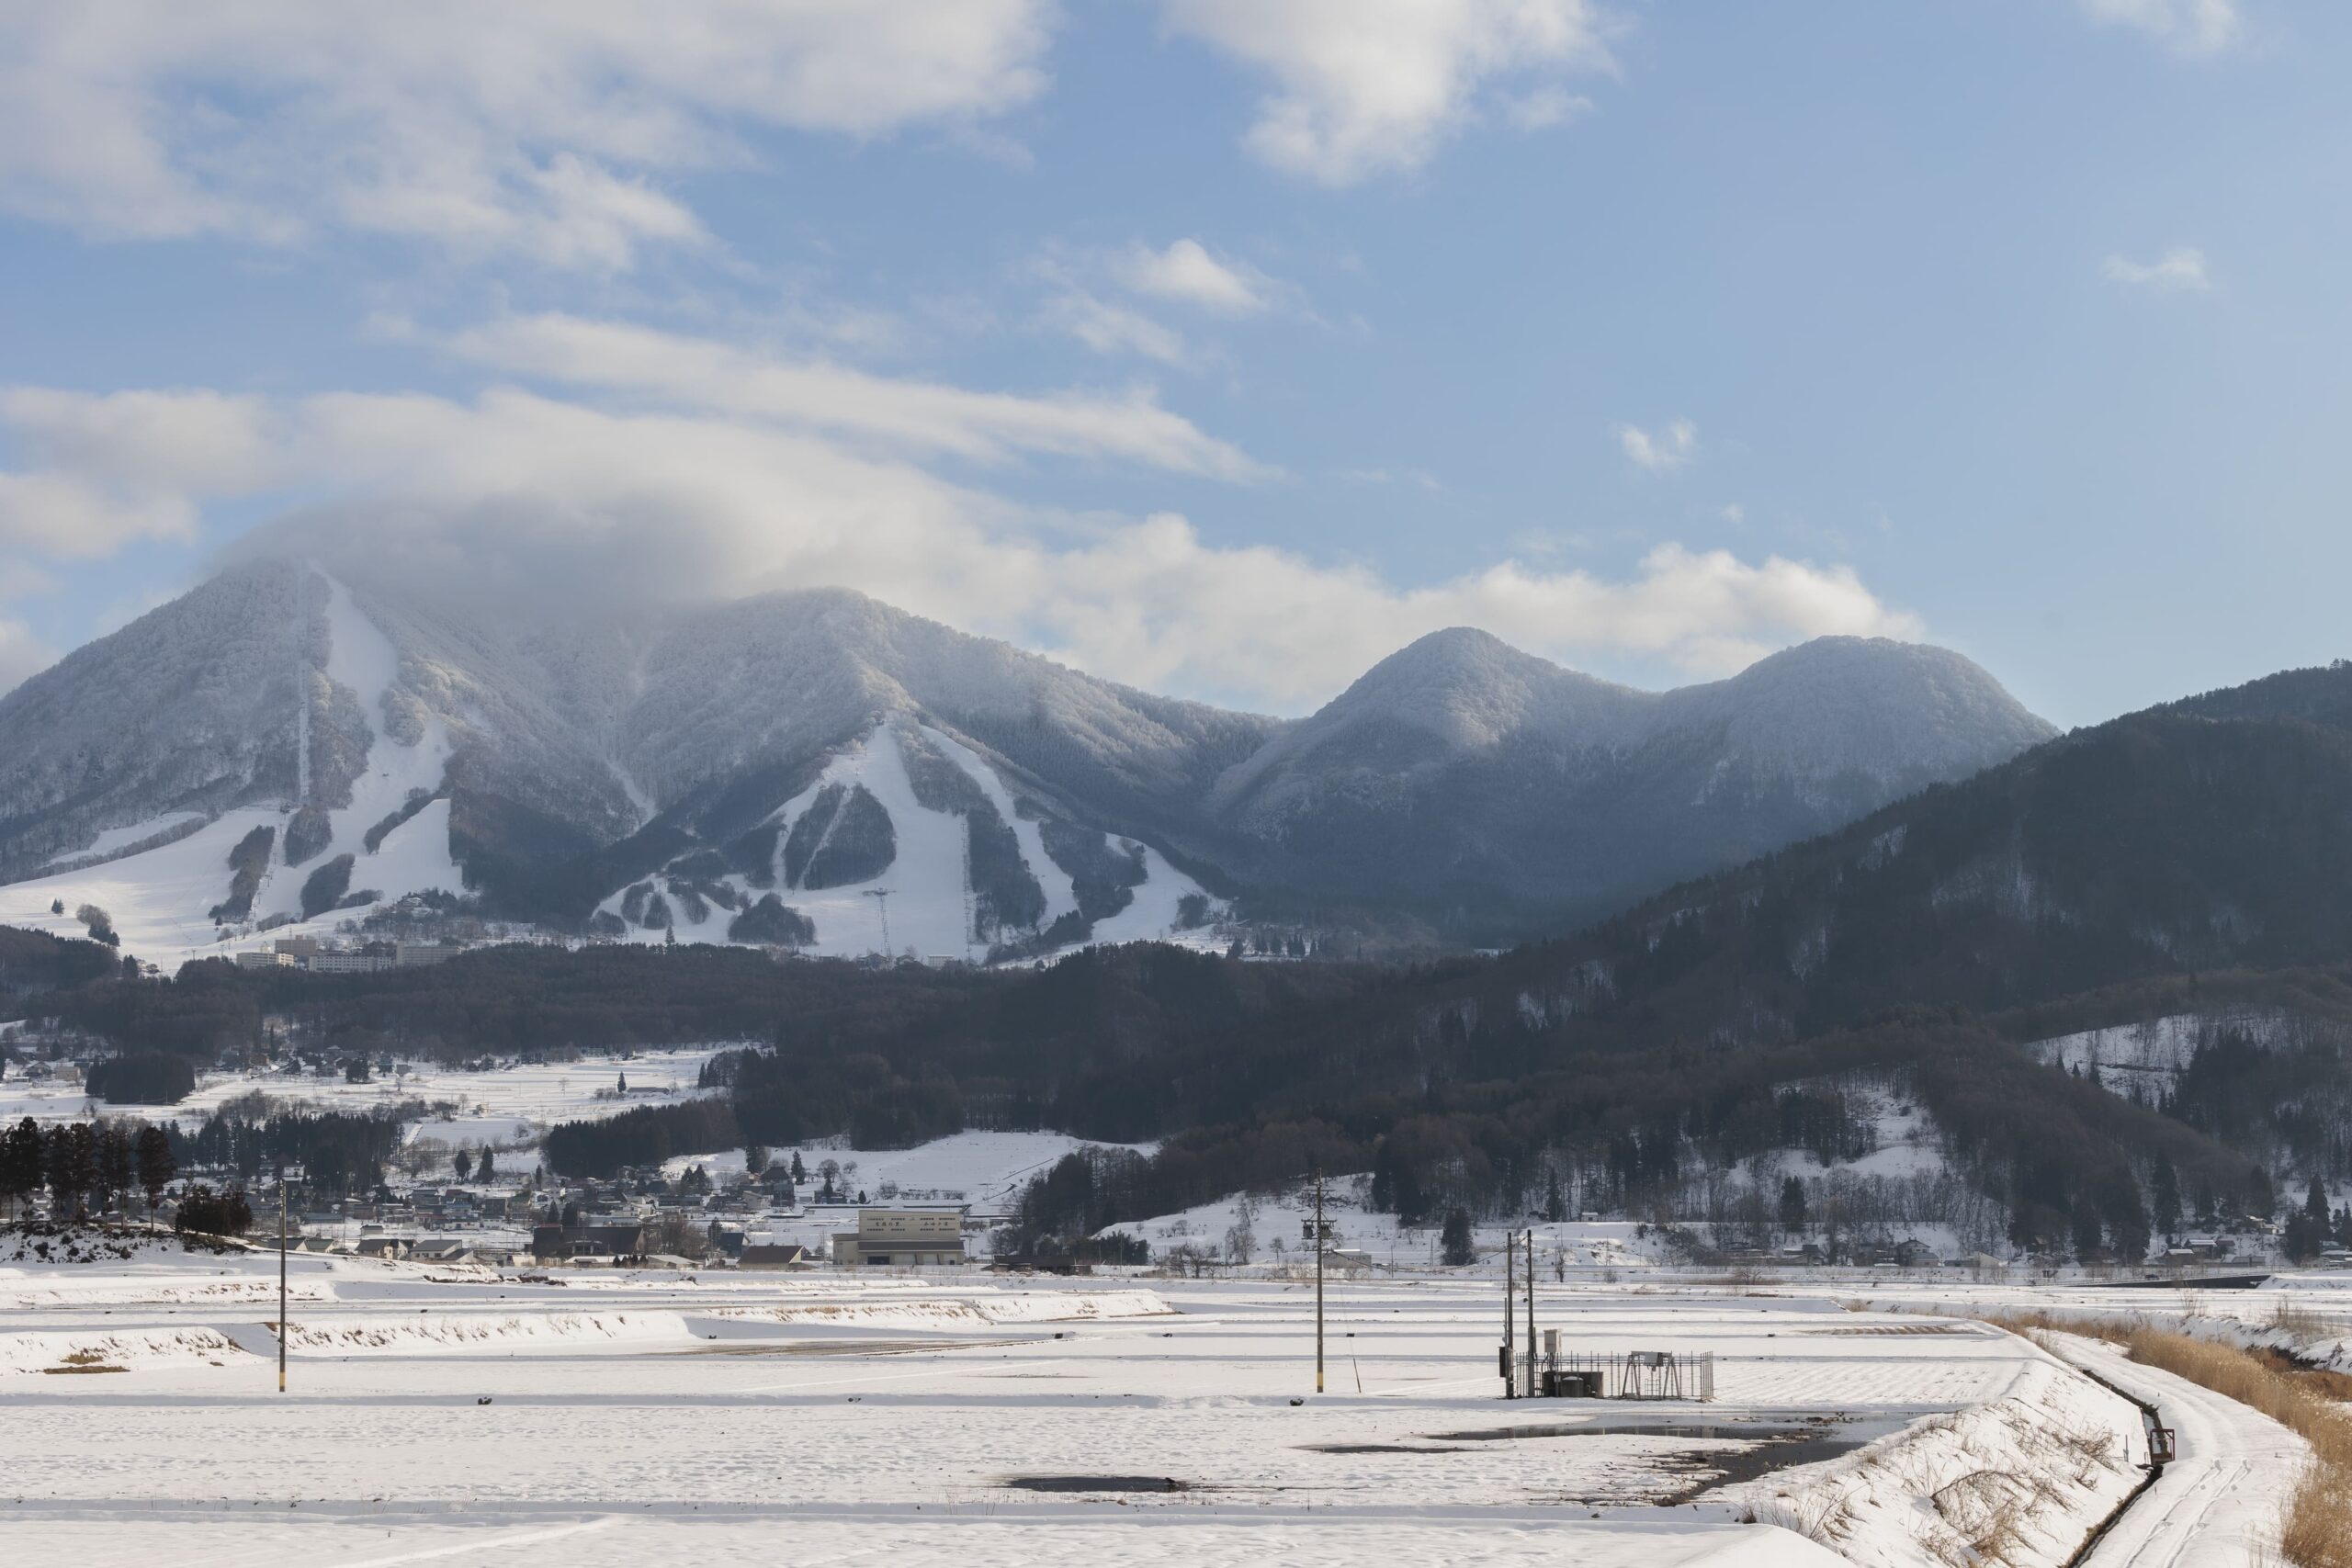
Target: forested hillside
x=2189, y=870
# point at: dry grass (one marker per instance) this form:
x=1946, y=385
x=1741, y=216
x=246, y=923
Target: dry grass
x=2316, y=1530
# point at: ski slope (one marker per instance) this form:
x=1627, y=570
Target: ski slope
x=921, y=904
x=160, y=898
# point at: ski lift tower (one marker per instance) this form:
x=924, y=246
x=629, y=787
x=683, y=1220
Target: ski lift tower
x=881, y=896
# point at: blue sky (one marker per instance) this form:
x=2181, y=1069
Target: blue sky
x=1219, y=347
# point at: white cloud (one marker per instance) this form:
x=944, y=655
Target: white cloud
x=1661, y=452
x=2180, y=270
x=537, y=128
x=199, y=441
x=1365, y=87
x=62, y=518
x=2189, y=26
x=1186, y=272
x=21, y=654
x=517, y=493
x=1113, y=329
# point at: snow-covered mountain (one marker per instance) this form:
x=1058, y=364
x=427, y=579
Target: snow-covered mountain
x=1495, y=791
x=282, y=746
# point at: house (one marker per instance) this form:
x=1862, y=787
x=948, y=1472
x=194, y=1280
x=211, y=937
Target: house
x=761, y=1254
x=902, y=1239
x=555, y=1243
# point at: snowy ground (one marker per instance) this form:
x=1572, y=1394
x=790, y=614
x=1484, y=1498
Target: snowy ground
x=493, y=1106
x=611, y=1418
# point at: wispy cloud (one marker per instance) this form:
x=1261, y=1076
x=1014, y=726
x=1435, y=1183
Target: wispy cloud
x=2180, y=270
x=2187, y=26
x=917, y=416
x=1113, y=329
x=1660, y=451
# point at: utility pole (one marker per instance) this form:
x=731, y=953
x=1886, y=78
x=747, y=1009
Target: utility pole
x=1318, y=1280
x=1510, y=1332
x=1534, y=1380
x=281, y=1281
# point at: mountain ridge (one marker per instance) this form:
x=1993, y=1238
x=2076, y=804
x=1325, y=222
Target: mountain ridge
x=581, y=755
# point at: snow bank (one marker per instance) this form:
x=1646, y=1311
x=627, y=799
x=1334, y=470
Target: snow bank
x=432, y=1332
x=90, y=1352
x=2023, y=1479
x=976, y=1310
x=22, y=1293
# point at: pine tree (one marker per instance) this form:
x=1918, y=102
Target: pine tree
x=1793, y=1205
x=485, y=1167
x=465, y=1164
x=21, y=1163
x=2165, y=1196
x=1454, y=1241
x=799, y=1171
x=157, y=1167
x=71, y=1157
x=114, y=1163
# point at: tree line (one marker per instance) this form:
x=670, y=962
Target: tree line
x=86, y=1169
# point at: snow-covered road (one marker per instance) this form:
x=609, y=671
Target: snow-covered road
x=2218, y=1505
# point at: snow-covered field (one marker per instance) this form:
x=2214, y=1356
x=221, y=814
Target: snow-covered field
x=500, y=1106
x=987, y=1170
x=594, y=1416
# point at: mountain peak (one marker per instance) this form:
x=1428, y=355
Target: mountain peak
x=1893, y=710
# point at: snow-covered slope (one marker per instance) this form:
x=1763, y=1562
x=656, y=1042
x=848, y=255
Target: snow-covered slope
x=863, y=860
x=1461, y=772
x=364, y=821
x=284, y=740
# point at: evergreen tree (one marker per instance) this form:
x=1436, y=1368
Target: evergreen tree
x=2088, y=1233
x=1556, y=1203
x=22, y=1163
x=2166, y=1195
x=755, y=1160
x=2308, y=1228
x=799, y=1171
x=157, y=1167
x=1454, y=1241
x=71, y=1157
x=115, y=1163
x=465, y=1164
x=485, y=1167
x=1793, y=1205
